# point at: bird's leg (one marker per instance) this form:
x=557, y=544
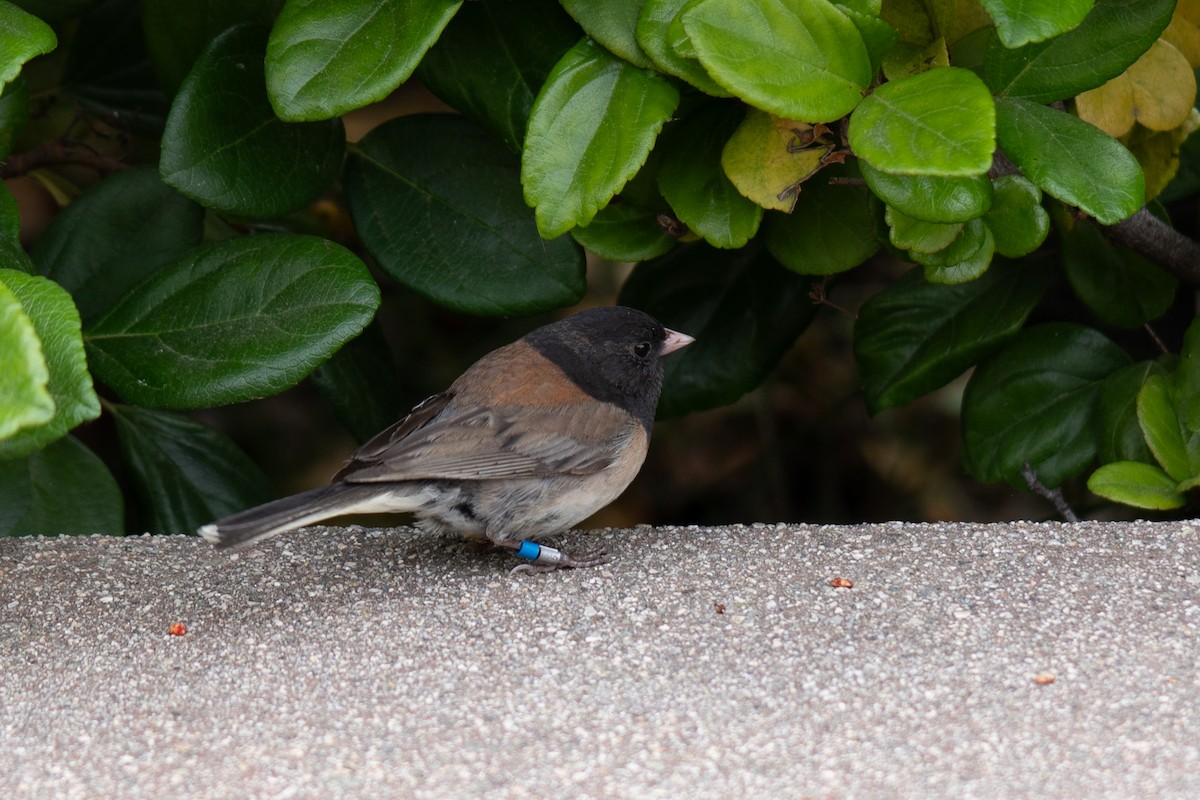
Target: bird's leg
x=543, y=558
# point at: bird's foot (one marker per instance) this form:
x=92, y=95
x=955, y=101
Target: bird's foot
x=542, y=558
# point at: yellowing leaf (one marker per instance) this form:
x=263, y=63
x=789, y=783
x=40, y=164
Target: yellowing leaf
x=1184, y=31
x=956, y=18
x=1164, y=87
x=1158, y=152
x=767, y=158
x=1109, y=107
x=906, y=59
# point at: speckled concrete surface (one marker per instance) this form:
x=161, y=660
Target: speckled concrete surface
x=700, y=663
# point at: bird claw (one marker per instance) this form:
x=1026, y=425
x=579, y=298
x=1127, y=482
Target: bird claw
x=549, y=559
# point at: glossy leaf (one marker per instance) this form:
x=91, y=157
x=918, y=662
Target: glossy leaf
x=656, y=33
x=56, y=323
x=493, y=57
x=819, y=76
x=184, y=473
x=362, y=384
x=1019, y=22
x=1016, y=218
x=243, y=319
x=177, y=33
x=22, y=37
x=1119, y=285
x=767, y=158
x=1034, y=402
x=692, y=181
x=940, y=122
x=438, y=204
x=929, y=197
x=591, y=128
x=115, y=235
x=1100, y=48
x=1118, y=434
x=1187, y=377
x=965, y=259
x=624, y=232
x=225, y=148
x=878, y=36
x=613, y=24
x=24, y=377
x=325, y=59
x=64, y=488
x=830, y=230
x=744, y=310
x=918, y=235
x=14, y=113
x=1071, y=160
x=1136, y=484
x=915, y=336
x=1174, y=447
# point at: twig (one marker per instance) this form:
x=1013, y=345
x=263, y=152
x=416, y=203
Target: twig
x=1153, y=334
x=53, y=153
x=1055, y=496
x=1162, y=244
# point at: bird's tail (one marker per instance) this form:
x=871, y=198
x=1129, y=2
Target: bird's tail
x=302, y=509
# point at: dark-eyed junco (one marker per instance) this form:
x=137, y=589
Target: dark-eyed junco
x=533, y=438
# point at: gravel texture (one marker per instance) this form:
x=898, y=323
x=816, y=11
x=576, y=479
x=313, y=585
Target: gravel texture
x=967, y=661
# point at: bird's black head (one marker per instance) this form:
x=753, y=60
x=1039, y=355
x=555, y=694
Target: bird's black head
x=612, y=353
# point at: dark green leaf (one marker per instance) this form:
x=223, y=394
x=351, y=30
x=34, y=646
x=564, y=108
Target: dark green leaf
x=1019, y=22
x=14, y=113
x=438, y=203
x=1118, y=284
x=55, y=11
x=22, y=36
x=613, y=24
x=915, y=336
x=114, y=236
x=918, y=235
x=1136, y=484
x=693, y=182
x=592, y=126
x=878, y=36
x=657, y=28
x=242, y=319
x=362, y=385
x=819, y=76
x=225, y=148
x=930, y=197
x=623, y=231
x=10, y=232
x=494, y=56
x=56, y=323
x=1187, y=377
x=1071, y=160
x=967, y=257
x=1034, y=402
x=1099, y=49
x=176, y=33
x=1174, y=447
x=940, y=122
x=1017, y=220
x=831, y=228
x=185, y=473
x=1117, y=430
x=25, y=399
x=744, y=310
x=325, y=59
x=63, y=488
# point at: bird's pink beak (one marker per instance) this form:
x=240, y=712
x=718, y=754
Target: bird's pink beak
x=675, y=341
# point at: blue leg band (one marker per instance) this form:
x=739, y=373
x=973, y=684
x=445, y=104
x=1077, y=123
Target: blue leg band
x=529, y=550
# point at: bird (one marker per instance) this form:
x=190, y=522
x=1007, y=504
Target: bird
x=531, y=439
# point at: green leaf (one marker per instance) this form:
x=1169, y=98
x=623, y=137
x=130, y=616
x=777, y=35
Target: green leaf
x=176, y=33
x=114, y=236
x=63, y=488
x=22, y=36
x=1136, y=484
x=1122, y=287
x=1071, y=160
x=10, y=232
x=929, y=197
x=362, y=385
x=1117, y=430
x=225, y=148
x=24, y=377
x=692, y=181
x=918, y=235
x=1019, y=22
x=438, y=204
x=613, y=24
x=940, y=122
x=624, y=232
x=1176, y=449
x=184, y=473
x=1034, y=402
x=967, y=257
x=915, y=336
x=242, y=319
x=744, y=310
x=831, y=228
x=657, y=30
x=801, y=60
x=14, y=113
x=56, y=324
x=1017, y=220
x=493, y=57
x=325, y=59
x=878, y=36
x=592, y=125
x=1100, y=48
x=1187, y=377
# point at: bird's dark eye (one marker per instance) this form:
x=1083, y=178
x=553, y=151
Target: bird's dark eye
x=641, y=349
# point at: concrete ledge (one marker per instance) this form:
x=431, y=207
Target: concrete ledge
x=703, y=662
